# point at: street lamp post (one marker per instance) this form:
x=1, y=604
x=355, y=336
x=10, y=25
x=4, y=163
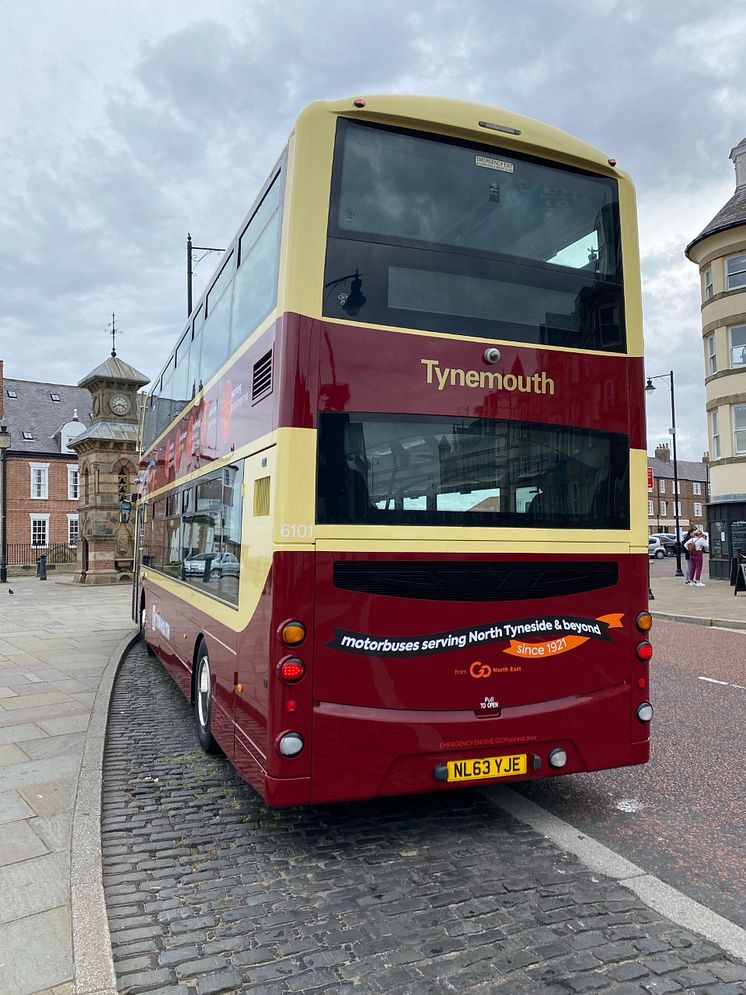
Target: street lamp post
x=192, y=262
x=650, y=387
x=4, y=447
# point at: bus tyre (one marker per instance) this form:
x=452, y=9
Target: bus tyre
x=143, y=629
x=203, y=701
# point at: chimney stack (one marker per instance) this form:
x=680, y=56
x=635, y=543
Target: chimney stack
x=738, y=155
x=662, y=452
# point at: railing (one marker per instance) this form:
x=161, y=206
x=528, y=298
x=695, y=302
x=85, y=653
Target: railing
x=26, y=554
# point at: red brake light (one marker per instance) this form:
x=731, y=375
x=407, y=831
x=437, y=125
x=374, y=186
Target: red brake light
x=291, y=670
x=644, y=651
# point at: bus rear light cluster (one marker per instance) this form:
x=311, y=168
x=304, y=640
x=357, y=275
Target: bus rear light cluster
x=291, y=670
x=292, y=633
x=644, y=621
x=645, y=711
x=644, y=651
x=290, y=744
x=558, y=758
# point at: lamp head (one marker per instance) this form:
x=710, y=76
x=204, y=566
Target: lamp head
x=356, y=298
x=649, y=386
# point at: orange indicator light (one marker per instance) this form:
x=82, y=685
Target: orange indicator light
x=644, y=621
x=292, y=633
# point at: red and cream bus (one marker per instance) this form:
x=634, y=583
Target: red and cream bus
x=393, y=525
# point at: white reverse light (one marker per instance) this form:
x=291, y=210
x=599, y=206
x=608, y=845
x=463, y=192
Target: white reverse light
x=558, y=758
x=645, y=711
x=290, y=744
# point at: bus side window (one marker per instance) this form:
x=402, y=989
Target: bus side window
x=259, y=258
x=216, y=329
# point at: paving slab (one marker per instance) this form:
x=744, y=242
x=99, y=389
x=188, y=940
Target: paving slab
x=13, y=807
x=68, y=724
x=53, y=830
x=35, y=951
x=21, y=733
x=18, y=842
x=54, y=746
x=11, y=755
x=32, y=886
x=51, y=797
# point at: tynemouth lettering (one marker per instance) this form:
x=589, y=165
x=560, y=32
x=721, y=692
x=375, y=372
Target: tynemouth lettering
x=569, y=632
x=537, y=383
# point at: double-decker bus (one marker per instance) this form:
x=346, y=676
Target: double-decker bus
x=393, y=523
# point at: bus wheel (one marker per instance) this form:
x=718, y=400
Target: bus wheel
x=203, y=701
x=143, y=626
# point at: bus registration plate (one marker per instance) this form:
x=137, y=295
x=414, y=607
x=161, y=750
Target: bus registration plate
x=475, y=770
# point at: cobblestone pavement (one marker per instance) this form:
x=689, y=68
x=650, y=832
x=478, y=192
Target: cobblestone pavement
x=208, y=890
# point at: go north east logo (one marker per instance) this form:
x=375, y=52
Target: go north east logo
x=558, y=634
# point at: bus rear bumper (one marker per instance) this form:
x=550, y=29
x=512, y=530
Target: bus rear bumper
x=368, y=752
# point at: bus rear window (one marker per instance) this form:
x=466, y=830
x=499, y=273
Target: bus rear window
x=392, y=469
x=467, y=239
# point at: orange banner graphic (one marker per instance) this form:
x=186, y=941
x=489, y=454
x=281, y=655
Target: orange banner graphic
x=561, y=644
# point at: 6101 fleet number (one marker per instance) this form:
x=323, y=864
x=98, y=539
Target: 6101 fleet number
x=288, y=531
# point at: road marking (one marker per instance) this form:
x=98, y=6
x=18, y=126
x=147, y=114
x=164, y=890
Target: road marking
x=668, y=901
x=725, y=684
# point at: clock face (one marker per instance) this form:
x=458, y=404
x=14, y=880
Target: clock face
x=119, y=404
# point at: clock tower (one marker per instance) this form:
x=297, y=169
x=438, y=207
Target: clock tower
x=107, y=468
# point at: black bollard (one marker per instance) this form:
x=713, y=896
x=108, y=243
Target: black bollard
x=43, y=566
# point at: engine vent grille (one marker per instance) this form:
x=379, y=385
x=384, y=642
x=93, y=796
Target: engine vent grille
x=261, y=382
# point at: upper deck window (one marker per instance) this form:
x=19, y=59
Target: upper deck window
x=394, y=469
x=471, y=239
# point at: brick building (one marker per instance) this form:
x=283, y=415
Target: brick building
x=692, y=496
x=42, y=471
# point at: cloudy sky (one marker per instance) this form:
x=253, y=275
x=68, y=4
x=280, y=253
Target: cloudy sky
x=124, y=126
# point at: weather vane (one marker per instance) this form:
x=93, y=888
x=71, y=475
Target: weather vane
x=111, y=329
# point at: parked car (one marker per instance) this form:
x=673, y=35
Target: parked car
x=221, y=564
x=656, y=548
x=667, y=540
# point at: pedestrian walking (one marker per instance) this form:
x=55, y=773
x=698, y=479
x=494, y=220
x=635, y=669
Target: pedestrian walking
x=696, y=546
